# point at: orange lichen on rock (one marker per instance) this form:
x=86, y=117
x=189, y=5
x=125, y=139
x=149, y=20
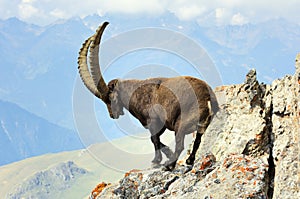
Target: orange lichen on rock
x=98, y=189
x=221, y=88
x=207, y=161
x=214, y=175
x=132, y=171
x=258, y=136
x=180, y=162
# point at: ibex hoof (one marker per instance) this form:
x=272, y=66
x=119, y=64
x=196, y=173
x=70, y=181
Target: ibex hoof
x=190, y=161
x=155, y=166
x=169, y=166
x=156, y=160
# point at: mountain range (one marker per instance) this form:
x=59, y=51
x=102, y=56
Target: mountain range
x=39, y=68
x=23, y=135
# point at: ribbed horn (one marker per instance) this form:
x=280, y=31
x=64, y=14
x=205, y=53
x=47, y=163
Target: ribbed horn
x=84, y=70
x=94, y=63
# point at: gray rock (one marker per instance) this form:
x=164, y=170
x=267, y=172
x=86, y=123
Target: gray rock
x=285, y=133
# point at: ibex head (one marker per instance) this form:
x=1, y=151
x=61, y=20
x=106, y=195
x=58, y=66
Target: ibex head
x=115, y=106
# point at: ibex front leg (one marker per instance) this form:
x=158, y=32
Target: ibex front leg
x=158, y=145
x=179, y=146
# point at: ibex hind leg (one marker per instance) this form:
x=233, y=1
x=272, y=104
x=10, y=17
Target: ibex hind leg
x=201, y=127
x=191, y=158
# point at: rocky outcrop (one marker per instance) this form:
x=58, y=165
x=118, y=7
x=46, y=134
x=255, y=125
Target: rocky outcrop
x=250, y=150
x=49, y=183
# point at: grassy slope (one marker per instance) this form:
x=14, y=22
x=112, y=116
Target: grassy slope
x=140, y=150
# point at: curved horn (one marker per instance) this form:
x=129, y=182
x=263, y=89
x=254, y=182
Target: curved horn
x=94, y=63
x=84, y=70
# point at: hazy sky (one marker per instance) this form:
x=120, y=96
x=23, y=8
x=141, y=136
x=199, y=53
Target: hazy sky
x=43, y=12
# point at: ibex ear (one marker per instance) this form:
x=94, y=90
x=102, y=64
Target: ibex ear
x=112, y=85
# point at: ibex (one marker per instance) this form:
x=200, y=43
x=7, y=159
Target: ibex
x=182, y=104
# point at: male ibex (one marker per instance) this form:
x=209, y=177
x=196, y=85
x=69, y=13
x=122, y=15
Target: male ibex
x=181, y=104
